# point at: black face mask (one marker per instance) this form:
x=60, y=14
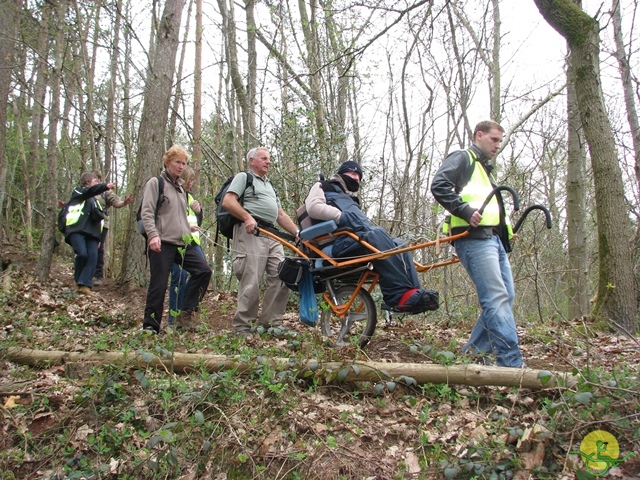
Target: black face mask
x=351, y=184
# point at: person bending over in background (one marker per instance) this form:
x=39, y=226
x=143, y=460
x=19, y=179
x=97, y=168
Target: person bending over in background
x=336, y=199
x=461, y=185
x=170, y=241
x=84, y=228
x=179, y=276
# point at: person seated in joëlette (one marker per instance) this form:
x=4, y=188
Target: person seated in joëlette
x=336, y=199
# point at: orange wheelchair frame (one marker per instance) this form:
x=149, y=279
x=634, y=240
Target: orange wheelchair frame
x=349, y=282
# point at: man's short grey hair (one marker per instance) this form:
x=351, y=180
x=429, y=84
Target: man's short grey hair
x=253, y=153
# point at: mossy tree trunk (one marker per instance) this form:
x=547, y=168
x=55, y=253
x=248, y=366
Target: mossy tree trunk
x=577, y=277
x=616, y=293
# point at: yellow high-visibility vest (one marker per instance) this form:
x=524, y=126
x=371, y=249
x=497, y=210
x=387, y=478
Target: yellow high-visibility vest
x=475, y=193
x=192, y=218
x=74, y=212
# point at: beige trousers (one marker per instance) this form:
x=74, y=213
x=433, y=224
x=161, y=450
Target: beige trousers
x=253, y=257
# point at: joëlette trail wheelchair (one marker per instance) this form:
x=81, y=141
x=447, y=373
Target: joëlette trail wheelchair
x=347, y=283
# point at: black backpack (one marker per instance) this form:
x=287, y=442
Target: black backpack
x=158, y=203
x=224, y=220
x=62, y=218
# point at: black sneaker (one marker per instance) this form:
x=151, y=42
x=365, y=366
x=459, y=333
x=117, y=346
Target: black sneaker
x=430, y=300
x=420, y=301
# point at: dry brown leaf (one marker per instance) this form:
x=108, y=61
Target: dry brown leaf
x=412, y=462
x=83, y=433
x=11, y=401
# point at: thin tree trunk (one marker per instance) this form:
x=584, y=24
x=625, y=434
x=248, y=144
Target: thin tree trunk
x=28, y=220
x=37, y=102
x=241, y=92
x=313, y=61
x=252, y=135
x=110, y=125
x=8, y=35
x=110, y=162
x=495, y=76
x=127, y=116
x=86, y=91
x=218, y=253
x=465, y=84
x=339, y=99
x=627, y=85
x=178, y=97
x=197, y=95
x=51, y=178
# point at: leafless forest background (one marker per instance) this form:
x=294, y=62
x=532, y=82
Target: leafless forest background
x=109, y=85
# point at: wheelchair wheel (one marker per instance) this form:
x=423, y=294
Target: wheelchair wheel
x=360, y=321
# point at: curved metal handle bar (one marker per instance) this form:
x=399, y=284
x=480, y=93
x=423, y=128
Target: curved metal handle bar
x=529, y=210
x=500, y=188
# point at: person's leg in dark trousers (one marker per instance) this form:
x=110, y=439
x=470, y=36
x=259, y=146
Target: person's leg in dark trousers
x=86, y=250
x=199, y=278
x=397, y=273
x=159, y=265
x=79, y=245
x=98, y=275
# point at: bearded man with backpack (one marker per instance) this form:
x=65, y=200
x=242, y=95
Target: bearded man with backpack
x=254, y=256
x=169, y=241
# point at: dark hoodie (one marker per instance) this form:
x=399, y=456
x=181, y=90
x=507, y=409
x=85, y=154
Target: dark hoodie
x=90, y=221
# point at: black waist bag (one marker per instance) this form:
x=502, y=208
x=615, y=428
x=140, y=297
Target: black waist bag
x=292, y=270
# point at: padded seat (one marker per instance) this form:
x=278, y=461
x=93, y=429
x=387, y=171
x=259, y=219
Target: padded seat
x=319, y=229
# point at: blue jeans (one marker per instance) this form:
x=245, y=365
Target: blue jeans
x=178, y=287
x=86, y=250
x=487, y=264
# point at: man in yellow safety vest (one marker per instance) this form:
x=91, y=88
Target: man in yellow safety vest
x=461, y=185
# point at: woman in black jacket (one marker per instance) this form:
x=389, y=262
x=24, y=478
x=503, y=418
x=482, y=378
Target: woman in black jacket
x=83, y=229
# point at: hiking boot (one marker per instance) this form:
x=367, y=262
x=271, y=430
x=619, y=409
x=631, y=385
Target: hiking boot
x=84, y=290
x=187, y=321
x=97, y=282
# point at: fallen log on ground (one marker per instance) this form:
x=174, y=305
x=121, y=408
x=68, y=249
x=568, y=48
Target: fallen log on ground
x=472, y=375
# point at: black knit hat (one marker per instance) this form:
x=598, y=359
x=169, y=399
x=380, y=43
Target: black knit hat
x=350, y=166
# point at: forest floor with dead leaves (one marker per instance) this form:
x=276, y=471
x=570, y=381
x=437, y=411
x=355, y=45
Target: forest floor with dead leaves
x=119, y=420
